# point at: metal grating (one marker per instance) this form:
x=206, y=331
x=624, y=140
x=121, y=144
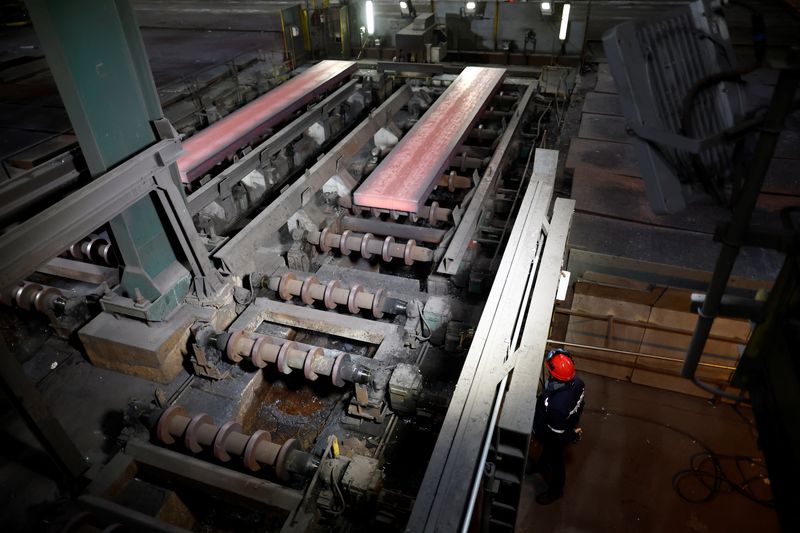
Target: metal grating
x=655, y=65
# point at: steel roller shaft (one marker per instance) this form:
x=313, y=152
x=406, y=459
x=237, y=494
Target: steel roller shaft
x=257, y=450
x=332, y=294
x=369, y=245
x=94, y=250
x=432, y=213
x=288, y=356
x=35, y=297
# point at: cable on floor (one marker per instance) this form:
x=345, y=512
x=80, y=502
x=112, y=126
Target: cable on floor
x=706, y=467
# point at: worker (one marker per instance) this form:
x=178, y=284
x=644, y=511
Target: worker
x=556, y=419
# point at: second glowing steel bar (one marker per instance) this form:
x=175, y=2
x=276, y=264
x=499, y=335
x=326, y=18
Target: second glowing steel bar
x=406, y=177
x=223, y=138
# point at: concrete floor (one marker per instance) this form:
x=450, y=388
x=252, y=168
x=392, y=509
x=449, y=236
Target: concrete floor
x=619, y=477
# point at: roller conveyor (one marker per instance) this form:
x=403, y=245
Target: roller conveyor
x=205, y=149
x=409, y=173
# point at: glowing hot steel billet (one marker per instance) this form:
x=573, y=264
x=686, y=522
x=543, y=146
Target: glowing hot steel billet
x=409, y=173
x=222, y=139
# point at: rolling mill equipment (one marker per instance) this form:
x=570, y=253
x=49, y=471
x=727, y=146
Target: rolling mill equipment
x=308, y=315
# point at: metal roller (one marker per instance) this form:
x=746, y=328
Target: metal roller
x=332, y=294
x=453, y=181
x=367, y=245
x=35, y=297
x=256, y=450
x=432, y=213
x=262, y=350
x=93, y=249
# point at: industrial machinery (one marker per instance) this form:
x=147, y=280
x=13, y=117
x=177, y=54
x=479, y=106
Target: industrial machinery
x=681, y=93
x=352, y=266
x=682, y=96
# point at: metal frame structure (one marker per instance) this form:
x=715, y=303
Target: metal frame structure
x=237, y=255
x=45, y=235
x=151, y=175
x=447, y=495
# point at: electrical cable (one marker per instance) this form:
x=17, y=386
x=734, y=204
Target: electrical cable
x=423, y=326
x=338, y=493
x=706, y=466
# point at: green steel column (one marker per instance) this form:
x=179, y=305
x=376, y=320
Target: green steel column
x=95, y=52
x=88, y=53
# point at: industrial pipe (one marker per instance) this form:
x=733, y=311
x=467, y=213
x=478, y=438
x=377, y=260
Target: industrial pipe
x=288, y=355
x=781, y=104
x=257, y=450
x=369, y=245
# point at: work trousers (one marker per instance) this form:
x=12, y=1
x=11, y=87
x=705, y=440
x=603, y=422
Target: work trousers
x=551, y=465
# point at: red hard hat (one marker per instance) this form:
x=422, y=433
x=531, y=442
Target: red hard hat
x=560, y=365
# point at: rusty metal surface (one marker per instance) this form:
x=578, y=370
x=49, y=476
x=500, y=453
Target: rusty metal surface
x=219, y=481
x=402, y=231
x=206, y=148
x=349, y=327
x=407, y=176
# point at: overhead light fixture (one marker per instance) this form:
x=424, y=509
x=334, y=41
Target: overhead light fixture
x=546, y=7
x=471, y=6
x=562, y=32
x=370, y=9
x=406, y=8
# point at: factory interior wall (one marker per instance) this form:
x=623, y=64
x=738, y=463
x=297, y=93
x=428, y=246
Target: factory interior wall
x=477, y=33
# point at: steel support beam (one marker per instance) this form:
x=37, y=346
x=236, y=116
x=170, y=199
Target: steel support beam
x=406, y=177
x=90, y=47
x=95, y=52
x=512, y=433
x=444, y=497
x=237, y=255
x=44, y=181
x=349, y=327
x=217, y=481
x=45, y=235
x=132, y=520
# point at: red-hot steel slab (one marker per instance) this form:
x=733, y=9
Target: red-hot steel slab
x=210, y=146
x=407, y=176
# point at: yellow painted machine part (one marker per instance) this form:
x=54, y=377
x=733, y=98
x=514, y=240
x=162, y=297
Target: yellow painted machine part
x=304, y=26
x=283, y=33
x=344, y=33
